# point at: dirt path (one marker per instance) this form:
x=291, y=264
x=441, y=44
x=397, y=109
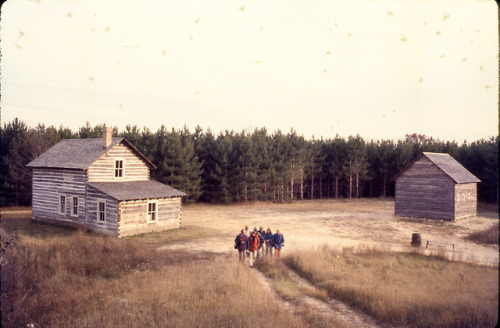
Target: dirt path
x=266, y=283
x=335, y=310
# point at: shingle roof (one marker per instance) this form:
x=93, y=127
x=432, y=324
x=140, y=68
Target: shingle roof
x=448, y=165
x=131, y=190
x=79, y=153
x=451, y=167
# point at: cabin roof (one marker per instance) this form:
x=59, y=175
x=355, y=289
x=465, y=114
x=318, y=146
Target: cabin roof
x=132, y=190
x=80, y=153
x=448, y=165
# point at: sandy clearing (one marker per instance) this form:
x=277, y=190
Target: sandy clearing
x=338, y=224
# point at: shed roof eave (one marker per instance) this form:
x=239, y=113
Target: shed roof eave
x=136, y=190
x=145, y=198
x=452, y=175
x=31, y=167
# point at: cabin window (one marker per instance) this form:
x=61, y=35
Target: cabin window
x=152, y=211
x=62, y=204
x=101, y=211
x=119, y=168
x=74, y=206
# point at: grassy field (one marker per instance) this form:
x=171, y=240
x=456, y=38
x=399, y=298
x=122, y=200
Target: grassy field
x=81, y=280
x=59, y=277
x=405, y=289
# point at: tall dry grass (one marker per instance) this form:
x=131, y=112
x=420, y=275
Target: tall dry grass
x=407, y=289
x=92, y=281
x=487, y=236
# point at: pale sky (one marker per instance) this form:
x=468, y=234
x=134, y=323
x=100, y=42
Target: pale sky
x=380, y=69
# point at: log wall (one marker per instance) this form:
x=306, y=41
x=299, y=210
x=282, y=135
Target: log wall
x=48, y=186
x=424, y=191
x=104, y=168
x=110, y=226
x=465, y=200
x=133, y=216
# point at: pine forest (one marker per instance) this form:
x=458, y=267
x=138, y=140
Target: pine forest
x=245, y=166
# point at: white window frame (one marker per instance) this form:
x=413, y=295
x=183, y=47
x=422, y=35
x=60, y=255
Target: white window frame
x=154, y=212
x=121, y=169
x=99, y=202
x=73, y=206
x=61, y=206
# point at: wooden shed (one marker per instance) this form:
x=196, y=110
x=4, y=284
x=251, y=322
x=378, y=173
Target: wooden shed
x=102, y=185
x=436, y=186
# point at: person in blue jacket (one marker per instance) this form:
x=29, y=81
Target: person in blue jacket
x=279, y=242
x=262, y=235
x=241, y=244
x=268, y=238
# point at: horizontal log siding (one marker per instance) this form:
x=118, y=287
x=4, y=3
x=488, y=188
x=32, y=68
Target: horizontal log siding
x=133, y=216
x=104, y=168
x=48, y=185
x=110, y=226
x=465, y=200
x=424, y=191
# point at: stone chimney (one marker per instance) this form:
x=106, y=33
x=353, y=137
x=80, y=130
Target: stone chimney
x=107, y=134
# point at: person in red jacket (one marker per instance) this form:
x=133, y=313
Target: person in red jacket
x=253, y=246
x=241, y=244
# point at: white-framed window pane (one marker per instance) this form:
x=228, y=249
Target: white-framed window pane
x=75, y=206
x=62, y=204
x=101, y=211
x=152, y=211
x=118, y=168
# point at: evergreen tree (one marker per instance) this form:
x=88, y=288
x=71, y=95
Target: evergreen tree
x=382, y=159
x=133, y=135
x=214, y=156
x=314, y=159
x=88, y=131
x=481, y=159
x=296, y=156
x=261, y=147
x=279, y=169
x=192, y=167
x=356, y=165
x=15, y=177
x=177, y=164
x=336, y=154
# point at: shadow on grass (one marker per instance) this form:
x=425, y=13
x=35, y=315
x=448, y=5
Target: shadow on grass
x=22, y=224
x=431, y=222
x=172, y=236
x=487, y=236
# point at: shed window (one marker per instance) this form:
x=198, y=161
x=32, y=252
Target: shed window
x=74, y=207
x=119, y=168
x=62, y=204
x=101, y=211
x=152, y=211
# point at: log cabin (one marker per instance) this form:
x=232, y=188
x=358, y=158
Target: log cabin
x=102, y=185
x=436, y=186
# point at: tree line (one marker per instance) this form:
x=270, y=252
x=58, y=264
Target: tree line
x=230, y=166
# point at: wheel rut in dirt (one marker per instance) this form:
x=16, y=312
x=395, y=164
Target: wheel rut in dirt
x=332, y=309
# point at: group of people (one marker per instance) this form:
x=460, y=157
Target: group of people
x=251, y=243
